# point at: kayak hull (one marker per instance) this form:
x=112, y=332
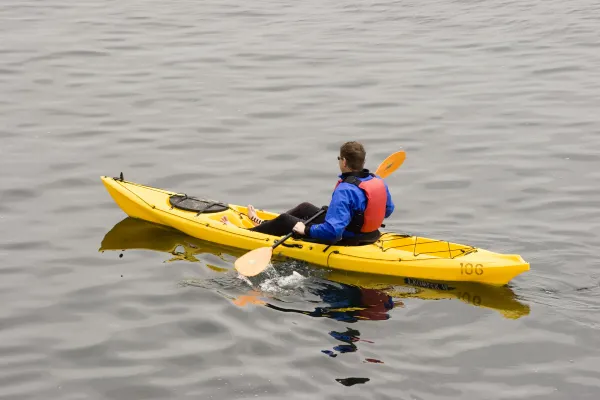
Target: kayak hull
x=393, y=255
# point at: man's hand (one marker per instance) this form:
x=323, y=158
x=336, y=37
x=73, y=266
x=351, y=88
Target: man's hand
x=299, y=228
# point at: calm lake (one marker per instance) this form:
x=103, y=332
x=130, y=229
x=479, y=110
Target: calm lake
x=495, y=103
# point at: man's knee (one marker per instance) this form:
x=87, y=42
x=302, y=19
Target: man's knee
x=287, y=219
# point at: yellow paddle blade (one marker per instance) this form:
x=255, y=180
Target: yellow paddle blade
x=390, y=164
x=254, y=262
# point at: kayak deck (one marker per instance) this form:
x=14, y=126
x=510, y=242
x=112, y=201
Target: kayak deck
x=393, y=254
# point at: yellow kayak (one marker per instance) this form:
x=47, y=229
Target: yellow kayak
x=134, y=234
x=393, y=254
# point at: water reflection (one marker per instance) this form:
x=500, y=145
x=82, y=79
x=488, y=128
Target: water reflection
x=352, y=381
x=348, y=303
x=344, y=297
x=348, y=296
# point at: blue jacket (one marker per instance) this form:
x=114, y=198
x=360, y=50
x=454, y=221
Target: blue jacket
x=346, y=201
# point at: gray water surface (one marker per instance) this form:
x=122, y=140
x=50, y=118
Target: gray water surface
x=495, y=103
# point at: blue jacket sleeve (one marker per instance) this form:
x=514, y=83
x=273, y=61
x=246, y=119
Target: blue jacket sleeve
x=337, y=218
x=389, y=206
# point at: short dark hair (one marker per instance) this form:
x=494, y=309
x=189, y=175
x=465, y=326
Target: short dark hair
x=354, y=153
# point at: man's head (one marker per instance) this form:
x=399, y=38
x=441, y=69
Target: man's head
x=352, y=157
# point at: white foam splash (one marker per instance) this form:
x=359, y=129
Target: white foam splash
x=278, y=284
x=245, y=279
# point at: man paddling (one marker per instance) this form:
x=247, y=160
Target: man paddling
x=358, y=206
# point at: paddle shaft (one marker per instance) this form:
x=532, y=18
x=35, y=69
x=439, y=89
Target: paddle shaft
x=289, y=235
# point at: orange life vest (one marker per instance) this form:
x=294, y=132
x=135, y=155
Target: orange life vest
x=372, y=217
